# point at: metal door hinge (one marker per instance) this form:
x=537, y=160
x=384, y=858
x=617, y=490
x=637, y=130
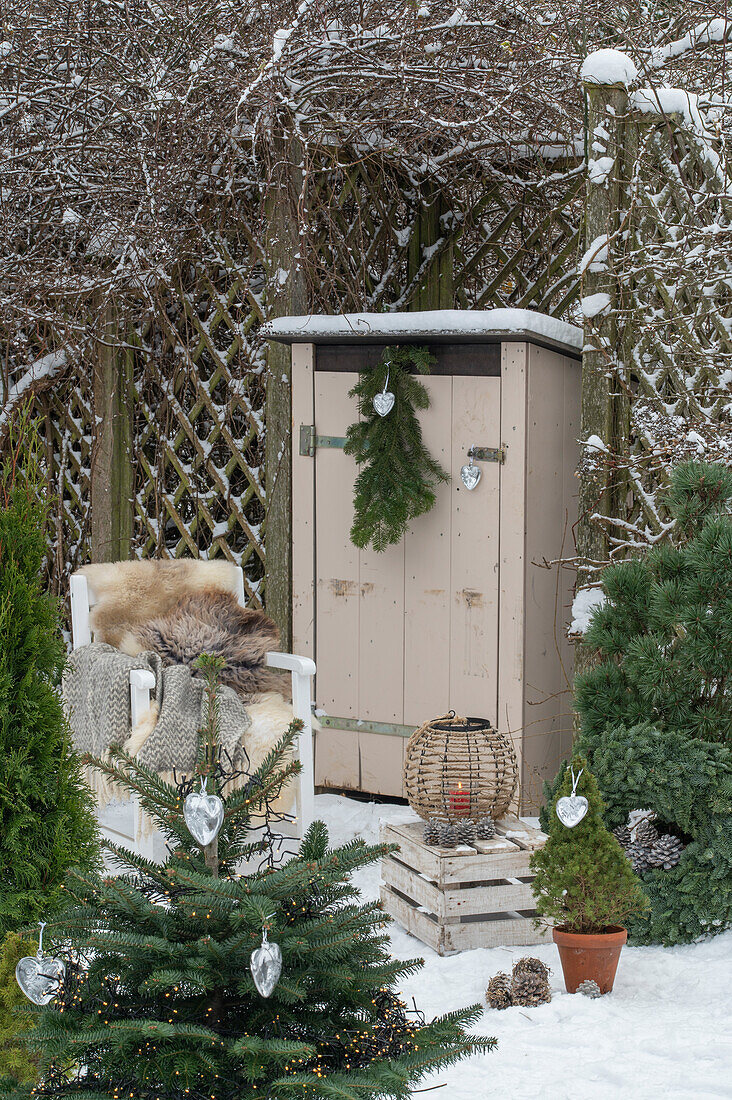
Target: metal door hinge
x=309, y=441
x=488, y=454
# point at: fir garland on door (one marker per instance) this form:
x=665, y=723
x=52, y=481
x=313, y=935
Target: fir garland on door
x=398, y=475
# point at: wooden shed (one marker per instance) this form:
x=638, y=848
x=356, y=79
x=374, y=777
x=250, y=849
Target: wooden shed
x=463, y=613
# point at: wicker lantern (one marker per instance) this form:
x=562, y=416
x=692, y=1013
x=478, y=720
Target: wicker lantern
x=459, y=767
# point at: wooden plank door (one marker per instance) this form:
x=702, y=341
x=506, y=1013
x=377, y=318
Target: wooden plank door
x=337, y=589
x=406, y=634
x=427, y=549
x=474, y=550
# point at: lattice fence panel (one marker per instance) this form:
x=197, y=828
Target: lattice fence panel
x=673, y=271
x=199, y=426
x=521, y=250
x=512, y=245
x=67, y=422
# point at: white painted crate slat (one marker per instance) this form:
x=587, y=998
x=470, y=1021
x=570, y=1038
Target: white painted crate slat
x=476, y=895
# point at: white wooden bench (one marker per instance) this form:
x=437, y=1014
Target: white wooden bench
x=124, y=822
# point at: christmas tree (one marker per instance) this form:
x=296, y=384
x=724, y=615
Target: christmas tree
x=656, y=720
x=398, y=474
x=584, y=882
x=46, y=818
x=159, y=1002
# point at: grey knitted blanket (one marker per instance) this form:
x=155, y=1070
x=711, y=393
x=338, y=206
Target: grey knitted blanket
x=96, y=693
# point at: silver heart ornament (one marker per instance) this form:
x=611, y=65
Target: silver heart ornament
x=571, y=809
x=40, y=978
x=266, y=966
x=204, y=815
x=384, y=402
x=470, y=476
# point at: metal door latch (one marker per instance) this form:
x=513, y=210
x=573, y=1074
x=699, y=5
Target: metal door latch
x=309, y=441
x=488, y=454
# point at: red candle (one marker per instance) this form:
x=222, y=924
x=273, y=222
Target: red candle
x=459, y=801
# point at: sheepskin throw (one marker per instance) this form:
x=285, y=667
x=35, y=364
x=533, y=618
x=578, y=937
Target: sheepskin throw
x=127, y=594
x=190, y=609
x=96, y=692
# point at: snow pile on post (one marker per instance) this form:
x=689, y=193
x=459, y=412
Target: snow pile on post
x=608, y=67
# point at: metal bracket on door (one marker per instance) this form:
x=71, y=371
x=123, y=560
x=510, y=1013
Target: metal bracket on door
x=488, y=454
x=309, y=441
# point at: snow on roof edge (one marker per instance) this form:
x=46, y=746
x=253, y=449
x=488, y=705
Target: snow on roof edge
x=433, y=323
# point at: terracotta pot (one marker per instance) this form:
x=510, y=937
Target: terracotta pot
x=586, y=956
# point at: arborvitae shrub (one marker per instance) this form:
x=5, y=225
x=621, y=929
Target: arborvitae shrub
x=46, y=818
x=16, y=1064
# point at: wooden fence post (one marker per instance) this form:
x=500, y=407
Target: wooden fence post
x=436, y=289
x=287, y=296
x=112, y=475
x=604, y=401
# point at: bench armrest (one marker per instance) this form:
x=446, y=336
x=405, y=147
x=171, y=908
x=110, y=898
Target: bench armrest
x=142, y=682
x=304, y=666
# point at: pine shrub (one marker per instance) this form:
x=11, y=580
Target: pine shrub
x=655, y=710
x=46, y=818
x=584, y=882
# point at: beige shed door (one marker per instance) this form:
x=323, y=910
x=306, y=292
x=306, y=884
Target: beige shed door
x=405, y=635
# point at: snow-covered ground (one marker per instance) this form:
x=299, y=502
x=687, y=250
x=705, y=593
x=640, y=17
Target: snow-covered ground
x=664, y=1031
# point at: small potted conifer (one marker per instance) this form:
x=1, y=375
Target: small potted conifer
x=584, y=883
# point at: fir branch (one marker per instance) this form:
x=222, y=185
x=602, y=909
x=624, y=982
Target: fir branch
x=397, y=475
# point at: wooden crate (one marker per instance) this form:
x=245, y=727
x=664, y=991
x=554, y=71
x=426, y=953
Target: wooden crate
x=476, y=895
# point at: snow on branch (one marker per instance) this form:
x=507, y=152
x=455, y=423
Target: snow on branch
x=38, y=376
x=712, y=32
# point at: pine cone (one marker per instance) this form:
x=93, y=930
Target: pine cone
x=590, y=988
x=530, y=965
x=465, y=831
x=529, y=988
x=486, y=828
x=666, y=852
x=646, y=833
x=431, y=832
x=448, y=836
x=622, y=835
x=498, y=993
x=638, y=856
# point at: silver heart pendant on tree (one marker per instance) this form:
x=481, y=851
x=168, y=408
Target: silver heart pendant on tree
x=39, y=978
x=204, y=815
x=266, y=966
x=571, y=809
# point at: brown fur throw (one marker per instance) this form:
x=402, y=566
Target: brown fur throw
x=126, y=594
x=213, y=622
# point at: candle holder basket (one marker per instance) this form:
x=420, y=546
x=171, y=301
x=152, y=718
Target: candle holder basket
x=457, y=768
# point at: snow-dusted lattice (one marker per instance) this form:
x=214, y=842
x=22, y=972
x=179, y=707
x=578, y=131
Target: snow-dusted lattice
x=670, y=270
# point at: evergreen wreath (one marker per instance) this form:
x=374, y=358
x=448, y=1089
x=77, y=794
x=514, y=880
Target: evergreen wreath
x=398, y=475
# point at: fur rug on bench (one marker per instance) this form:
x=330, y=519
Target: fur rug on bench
x=180, y=609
